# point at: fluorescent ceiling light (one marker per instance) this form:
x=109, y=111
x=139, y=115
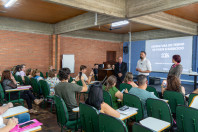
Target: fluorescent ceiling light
x=10, y=3
x=120, y=23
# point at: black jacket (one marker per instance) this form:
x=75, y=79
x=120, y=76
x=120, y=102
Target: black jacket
x=123, y=69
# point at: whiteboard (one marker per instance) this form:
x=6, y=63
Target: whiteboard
x=69, y=62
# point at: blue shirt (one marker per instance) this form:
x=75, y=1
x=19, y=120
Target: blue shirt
x=38, y=78
x=143, y=95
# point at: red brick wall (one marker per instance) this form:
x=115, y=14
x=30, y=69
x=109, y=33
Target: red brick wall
x=88, y=52
x=37, y=51
x=24, y=48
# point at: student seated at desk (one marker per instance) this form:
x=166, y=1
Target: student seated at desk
x=7, y=124
x=115, y=93
x=8, y=82
x=109, y=66
x=172, y=84
x=13, y=69
x=21, y=71
x=17, y=70
x=29, y=73
x=141, y=92
x=95, y=99
x=83, y=70
x=67, y=91
x=52, y=80
x=36, y=75
x=95, y=70
x=129, y=79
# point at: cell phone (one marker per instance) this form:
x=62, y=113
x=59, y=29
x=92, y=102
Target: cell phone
x=124, y=108
x=26, y=124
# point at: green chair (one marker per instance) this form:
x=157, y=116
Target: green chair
x=124, y=86
x=46, y=74
x=89, y=118
x=159, y=109
x=46, y=92
x=71, y=79
x=174, y=99
x=187, y=119
x=134, y=101
x=79, y=83
x=107, y=98
x=36, y=87
x=63, y=116
x=27, y=80
x=15, y=77
x=41, y=74
x=111, y=124
x=139, y=128
x=19, y=79
x=3, y=100
x=191, y=96
x=84, y=93
x=152, y=89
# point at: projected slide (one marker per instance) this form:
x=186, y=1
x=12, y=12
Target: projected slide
x=160, y=53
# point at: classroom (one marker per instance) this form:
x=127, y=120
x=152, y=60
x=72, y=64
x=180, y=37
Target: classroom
x=98, y=65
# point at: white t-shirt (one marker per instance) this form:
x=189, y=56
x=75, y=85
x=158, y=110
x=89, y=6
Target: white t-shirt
x=85, y=76
x=17, y=74
x=144, y=65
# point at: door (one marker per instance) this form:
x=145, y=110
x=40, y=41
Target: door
x=111, y=56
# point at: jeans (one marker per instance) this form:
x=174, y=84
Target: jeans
x=28, y=97
x=23, y=117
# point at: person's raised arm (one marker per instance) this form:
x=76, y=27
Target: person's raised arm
x=13, y=79
x=90, y=77
x=84, y=87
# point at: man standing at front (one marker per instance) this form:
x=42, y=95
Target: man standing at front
x=120, y=71
x=143, y=65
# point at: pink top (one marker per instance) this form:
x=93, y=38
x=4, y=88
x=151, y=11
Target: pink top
x=22, y=73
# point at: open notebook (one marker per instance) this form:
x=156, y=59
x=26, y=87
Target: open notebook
x=14, y=111
x=194, y=102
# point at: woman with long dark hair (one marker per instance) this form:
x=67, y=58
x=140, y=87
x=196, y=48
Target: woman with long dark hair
x=95, y=99
x=9, y=82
